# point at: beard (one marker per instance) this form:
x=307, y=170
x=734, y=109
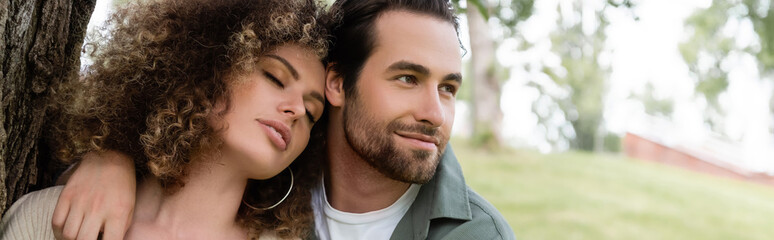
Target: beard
x=373, y=141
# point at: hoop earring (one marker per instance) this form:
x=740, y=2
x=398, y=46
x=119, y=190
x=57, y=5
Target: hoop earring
x=280, y=201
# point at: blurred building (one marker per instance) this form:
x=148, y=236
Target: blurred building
x=709, y=154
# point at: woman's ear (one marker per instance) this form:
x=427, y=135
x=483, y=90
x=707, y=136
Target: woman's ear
x=334, y=86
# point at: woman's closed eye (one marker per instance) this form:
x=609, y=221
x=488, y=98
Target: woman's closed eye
x=310, y=116
x=274, y=79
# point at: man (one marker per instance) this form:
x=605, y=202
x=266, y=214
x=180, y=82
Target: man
x=392, y=79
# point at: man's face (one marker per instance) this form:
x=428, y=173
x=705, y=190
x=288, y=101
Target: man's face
x=400, y=116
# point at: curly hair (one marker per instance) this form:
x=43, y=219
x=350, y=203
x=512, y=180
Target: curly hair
x=158, y=69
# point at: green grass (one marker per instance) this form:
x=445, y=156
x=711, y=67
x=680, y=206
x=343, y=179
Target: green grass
x=577, y=195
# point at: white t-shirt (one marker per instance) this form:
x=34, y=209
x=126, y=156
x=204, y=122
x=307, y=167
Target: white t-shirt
x=334, y=224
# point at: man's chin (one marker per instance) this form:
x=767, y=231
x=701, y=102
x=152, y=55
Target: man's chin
x=419, y=176
x=420, y=166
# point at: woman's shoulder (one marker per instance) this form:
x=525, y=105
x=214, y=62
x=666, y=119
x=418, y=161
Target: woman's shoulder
x=30, y=216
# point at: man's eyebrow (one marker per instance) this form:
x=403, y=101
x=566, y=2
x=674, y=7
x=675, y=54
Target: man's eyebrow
x=457, y=77
x=317, y=96
x=287, y=65
x=404, y=65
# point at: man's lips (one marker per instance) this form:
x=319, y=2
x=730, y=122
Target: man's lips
x=277, y=131
x=420, y=139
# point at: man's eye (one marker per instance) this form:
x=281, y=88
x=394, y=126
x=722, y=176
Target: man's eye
x=448, y=88
x=407, y=79
x=273, y=79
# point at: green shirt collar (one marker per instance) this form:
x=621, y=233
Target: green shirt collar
x=446, y=194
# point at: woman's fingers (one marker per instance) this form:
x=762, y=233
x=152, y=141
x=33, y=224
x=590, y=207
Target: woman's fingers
x=100, y=193
x=73, y=223
x=90, y=227
x=115, y=228
x=60, y=215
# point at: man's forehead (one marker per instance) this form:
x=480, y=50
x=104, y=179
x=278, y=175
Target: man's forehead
x=418, y=38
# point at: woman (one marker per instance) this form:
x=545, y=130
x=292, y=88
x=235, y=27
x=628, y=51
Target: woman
x=203, y=95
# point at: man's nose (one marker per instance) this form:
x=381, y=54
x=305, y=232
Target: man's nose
x=430, y=109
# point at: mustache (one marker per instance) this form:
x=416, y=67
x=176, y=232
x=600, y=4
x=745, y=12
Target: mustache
x=417, y=128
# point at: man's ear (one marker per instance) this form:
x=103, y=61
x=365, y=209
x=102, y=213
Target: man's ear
x=334, y=86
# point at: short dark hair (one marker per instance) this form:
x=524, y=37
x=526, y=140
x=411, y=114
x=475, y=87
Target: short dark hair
x=354, y=37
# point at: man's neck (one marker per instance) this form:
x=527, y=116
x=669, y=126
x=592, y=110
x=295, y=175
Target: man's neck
x=351, y=184
x=206, y=207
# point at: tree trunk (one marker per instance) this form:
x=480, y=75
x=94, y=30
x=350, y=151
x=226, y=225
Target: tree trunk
x=40, y=42
x=487, y=116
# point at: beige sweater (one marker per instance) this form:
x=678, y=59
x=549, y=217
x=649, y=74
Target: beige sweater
x=30, y=216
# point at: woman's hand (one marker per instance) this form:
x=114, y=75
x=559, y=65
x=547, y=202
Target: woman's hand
x=98, y=197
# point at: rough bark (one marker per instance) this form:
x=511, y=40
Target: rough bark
x=487, y=116
x=40, y=42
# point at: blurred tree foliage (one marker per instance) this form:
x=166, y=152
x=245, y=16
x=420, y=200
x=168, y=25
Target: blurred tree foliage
x=654, y=106
x=708, y=47
x=581, y=78
x=485, y=76
x=506, y=13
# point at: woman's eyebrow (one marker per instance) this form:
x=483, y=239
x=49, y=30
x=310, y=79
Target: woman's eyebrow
x=287, y=65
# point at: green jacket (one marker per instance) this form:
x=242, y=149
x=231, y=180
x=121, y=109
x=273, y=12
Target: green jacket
x=446, y=208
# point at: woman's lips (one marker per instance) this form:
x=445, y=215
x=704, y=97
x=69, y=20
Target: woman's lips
x=278, y=133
